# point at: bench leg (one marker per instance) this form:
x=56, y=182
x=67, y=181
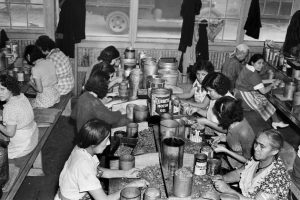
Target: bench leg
x=37, y=168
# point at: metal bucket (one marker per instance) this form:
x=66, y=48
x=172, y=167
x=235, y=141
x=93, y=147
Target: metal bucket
x=213, y=166
x=168, y=63
x=296, y=100
x=183, y=180
x=159, y=101
x=149, y=67
x=130, y=193
x=289, y=90
x=172, y=152
x=181, y=128
x=170, y=76
x=168, y=128
x=140, y=113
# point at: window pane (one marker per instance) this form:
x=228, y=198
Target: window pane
x=230, y=30
x=159, y=18
x=233, y=8
x=275, y=19
x=107, y=17
x=272, y=29
x=218, y=8
x=35, y=16
x=4, y=15
x=18, y=15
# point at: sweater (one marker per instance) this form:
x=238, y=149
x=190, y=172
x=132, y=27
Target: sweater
x=90, y=107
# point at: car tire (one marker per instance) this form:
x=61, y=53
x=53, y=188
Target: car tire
x=117, y=22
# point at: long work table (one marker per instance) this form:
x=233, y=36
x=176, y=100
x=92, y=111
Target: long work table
x=17, y=175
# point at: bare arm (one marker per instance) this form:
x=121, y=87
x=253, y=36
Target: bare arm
x=203, y=105
x=8, y=130
x=187, y=95
x=37, y=85
x=233, y=176
x=220, y=148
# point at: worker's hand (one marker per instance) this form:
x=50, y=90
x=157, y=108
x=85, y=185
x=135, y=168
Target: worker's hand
x=219, y=148
x=191, y=110
x=221, y=186
x=132, y=173
x=218, y=139
x=138, y=183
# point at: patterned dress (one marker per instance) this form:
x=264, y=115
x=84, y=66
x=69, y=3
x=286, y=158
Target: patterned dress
x=273, y=180
x=45, y=71
x=248, y=85
x=63, y=71
x=200, y=93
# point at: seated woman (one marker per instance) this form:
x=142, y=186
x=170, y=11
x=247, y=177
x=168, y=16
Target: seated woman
x=264, y=176
x=111, y=57
x=217, y=86
x=90, y=103
x=201, y=100
x=250, y=88
x=18, y=120
x=43, y=78
x=239, y=137
x=79, y=177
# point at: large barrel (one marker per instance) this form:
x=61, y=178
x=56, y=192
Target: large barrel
x=159, y=101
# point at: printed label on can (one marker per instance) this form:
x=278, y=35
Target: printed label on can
x=200, y=168
x=162, y=105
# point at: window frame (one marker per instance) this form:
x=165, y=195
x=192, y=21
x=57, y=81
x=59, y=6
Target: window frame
x=133, y=39
x=50, y=21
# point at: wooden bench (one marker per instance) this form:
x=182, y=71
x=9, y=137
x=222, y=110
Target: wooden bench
x=17, y=175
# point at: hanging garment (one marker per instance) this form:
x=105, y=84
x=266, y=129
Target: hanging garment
x=71, y=25
x=253, y=23
x=3, y=38
x=189, y=8
x=202, y=45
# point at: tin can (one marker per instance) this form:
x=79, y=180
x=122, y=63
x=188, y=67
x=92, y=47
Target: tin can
x=207, y=150
x=129, y=111
x=131, y=193
x=200, y=164
x=160, y=101
x=176, y=106
x=184, y=107
x=126, y=162
x=183, y=180
x=213, y=166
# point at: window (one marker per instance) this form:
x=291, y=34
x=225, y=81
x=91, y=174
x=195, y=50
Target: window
x=107, y=17
x=161, y=18
x=20, y=14
x=275, y=16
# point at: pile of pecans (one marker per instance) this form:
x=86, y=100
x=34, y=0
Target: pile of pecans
x=145, y=144
x=123, y=150
x=153, y=175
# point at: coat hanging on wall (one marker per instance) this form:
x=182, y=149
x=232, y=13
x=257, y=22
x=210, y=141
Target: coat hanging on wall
x=3, y=38
x=253, y=23
x=189, y=8
x=71, y=25
x=202, y=44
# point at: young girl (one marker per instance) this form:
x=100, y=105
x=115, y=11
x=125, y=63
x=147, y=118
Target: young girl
x=43, y=79
x=250, y=88
x=200, y=98
x=240, y=135
x=79, y=178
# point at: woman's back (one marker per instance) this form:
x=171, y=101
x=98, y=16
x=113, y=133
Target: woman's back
x=45, y=70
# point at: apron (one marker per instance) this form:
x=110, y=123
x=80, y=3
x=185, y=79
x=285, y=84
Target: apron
x=257, y=101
